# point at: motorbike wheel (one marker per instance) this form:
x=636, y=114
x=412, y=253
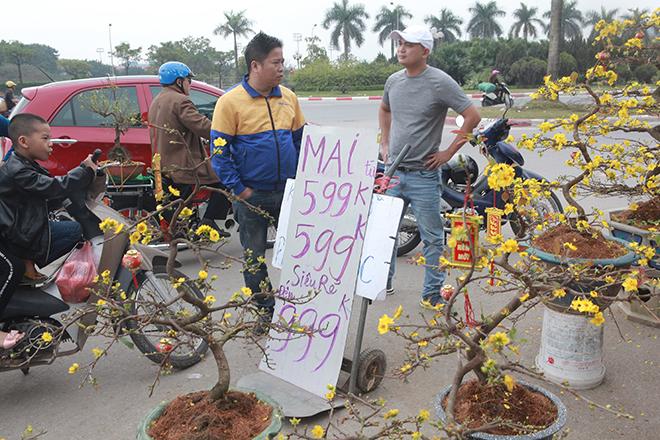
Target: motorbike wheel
x=543, y=206
x=147, y=337
x=409, y=236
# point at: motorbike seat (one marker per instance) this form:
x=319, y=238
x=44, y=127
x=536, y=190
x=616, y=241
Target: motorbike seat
x=32, y=301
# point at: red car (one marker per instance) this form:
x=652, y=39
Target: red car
x=59, y=104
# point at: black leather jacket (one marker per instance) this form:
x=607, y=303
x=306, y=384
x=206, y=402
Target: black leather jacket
x=25, y=188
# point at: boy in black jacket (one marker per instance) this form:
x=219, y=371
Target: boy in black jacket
x=26, y=187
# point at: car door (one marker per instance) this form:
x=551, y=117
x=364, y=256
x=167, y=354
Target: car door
x=92, y=130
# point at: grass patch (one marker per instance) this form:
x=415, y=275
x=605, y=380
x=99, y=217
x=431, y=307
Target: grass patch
x=534, y=109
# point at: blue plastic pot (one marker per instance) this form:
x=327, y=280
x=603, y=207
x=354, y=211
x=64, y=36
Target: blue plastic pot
x=271, y=431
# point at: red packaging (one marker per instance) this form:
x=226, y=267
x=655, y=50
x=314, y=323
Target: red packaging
x=77, y=275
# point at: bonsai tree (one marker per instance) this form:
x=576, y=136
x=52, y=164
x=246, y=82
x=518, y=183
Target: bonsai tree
x=111, y=102
x=488, y=345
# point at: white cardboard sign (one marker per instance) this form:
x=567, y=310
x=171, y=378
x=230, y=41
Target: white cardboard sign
x=324, y=239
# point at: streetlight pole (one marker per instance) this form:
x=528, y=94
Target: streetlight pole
x=297, y=56
x=100, y=50
x=112, y=61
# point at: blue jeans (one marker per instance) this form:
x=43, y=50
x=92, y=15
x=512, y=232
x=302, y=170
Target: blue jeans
x=63, y=237
x=253, y=228
x=422, y=191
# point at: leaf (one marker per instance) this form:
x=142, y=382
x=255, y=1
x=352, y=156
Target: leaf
x=127, y=342
x=512, y=333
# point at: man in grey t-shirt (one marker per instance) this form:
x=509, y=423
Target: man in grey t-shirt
x=413, y=111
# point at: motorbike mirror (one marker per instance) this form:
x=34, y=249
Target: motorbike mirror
x=460, y=120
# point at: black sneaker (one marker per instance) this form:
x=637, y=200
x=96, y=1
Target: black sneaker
x=214, y=225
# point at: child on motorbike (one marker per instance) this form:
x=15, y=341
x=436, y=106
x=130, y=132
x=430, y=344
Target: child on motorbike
x=25, y=190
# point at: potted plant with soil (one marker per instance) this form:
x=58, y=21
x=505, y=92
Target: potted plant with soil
x=487, y=346
x=178, y=324
x=112, y=103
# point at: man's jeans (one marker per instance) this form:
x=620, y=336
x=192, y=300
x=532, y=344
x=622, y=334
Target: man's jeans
x=63, y=237
x=422, y=191
x=252, y=231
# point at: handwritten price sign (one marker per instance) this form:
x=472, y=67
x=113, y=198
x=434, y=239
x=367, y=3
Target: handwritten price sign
x=325, y=234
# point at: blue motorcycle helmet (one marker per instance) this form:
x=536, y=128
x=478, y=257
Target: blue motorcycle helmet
x=170, y=71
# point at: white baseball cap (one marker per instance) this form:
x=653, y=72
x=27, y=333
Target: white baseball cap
x=415, y=34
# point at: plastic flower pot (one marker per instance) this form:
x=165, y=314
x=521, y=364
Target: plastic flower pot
x=635, y=310
x=551, y=260
x=547, y=433
x=271, y=431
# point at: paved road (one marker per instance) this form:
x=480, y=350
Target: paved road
x=49, y=397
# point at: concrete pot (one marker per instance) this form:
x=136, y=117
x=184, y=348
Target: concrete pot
x=546, y=434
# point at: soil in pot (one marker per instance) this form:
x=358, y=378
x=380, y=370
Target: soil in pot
x=239, y=416
x=592, y=245
x=646, y=216
x=477, y=405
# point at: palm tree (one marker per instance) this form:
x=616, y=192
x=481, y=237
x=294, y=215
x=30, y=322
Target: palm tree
x=483, y=24
x=388, y=20
x=525, y=19
x=237, y=25
x=572, y=21
x=555, y=33
x=447, y=23
x=636, y=15
x=592, y=18
x=348, y=24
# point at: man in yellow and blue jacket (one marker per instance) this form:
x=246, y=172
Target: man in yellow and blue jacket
x=257, y=125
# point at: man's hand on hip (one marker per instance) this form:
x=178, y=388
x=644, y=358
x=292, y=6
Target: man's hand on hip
x=247, y=192
x=435, y=160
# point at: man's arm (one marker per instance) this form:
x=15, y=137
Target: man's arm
x=194, y=121
x=384, y=122
x=471, y=120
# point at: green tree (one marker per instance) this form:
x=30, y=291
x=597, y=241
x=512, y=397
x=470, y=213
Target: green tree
x=315, y=52
x=448, y=23
x=525, y=20
x=349, y=24
x=199, y=55
x=236, y=25
x=483, y=23
x=127, y=55
x=388, y=20
x=635, y=15
x=75, y=68
x=572, y=20
x=19, y=54
x=45, y=57
x=168, y=51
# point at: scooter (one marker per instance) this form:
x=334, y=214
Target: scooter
x=501, y=95
x=35, y=310
x=463, y=170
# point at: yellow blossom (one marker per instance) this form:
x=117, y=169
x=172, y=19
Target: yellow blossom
x=174, y=191
x=559, y=293
x=499, y=338
x=73, y=368
x=186, y=212
x=598, y=319
x=246, y=291
x=397, y=313
x=108, y=224
x=47, y=336
x=209, y=299
x=214, y=236
x=141, y=227
x=135, y=237
x=510, y=246
x=101, y=302
x=391, y=414
x=423, y=415
x=97, y=352
x=317, y=432
x=630, y=284
x=384, y=324
x=524, y=297
x=203, y=275
x=509, y=382
x=406, y=367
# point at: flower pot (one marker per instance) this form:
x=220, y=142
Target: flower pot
x=126, y=171
x=547, y=433
x=634, y=310
x=563, y=304
x=572, y=347
x=271, y=431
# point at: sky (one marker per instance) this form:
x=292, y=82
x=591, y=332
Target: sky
x=78, y=29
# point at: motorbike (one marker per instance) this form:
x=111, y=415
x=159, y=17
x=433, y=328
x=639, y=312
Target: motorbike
x=463, y=170
x=501, y=95
x=35, y=310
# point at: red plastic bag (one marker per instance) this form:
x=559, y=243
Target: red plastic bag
x=77, y=275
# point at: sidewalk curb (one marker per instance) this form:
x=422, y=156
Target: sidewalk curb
x=374, y=98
